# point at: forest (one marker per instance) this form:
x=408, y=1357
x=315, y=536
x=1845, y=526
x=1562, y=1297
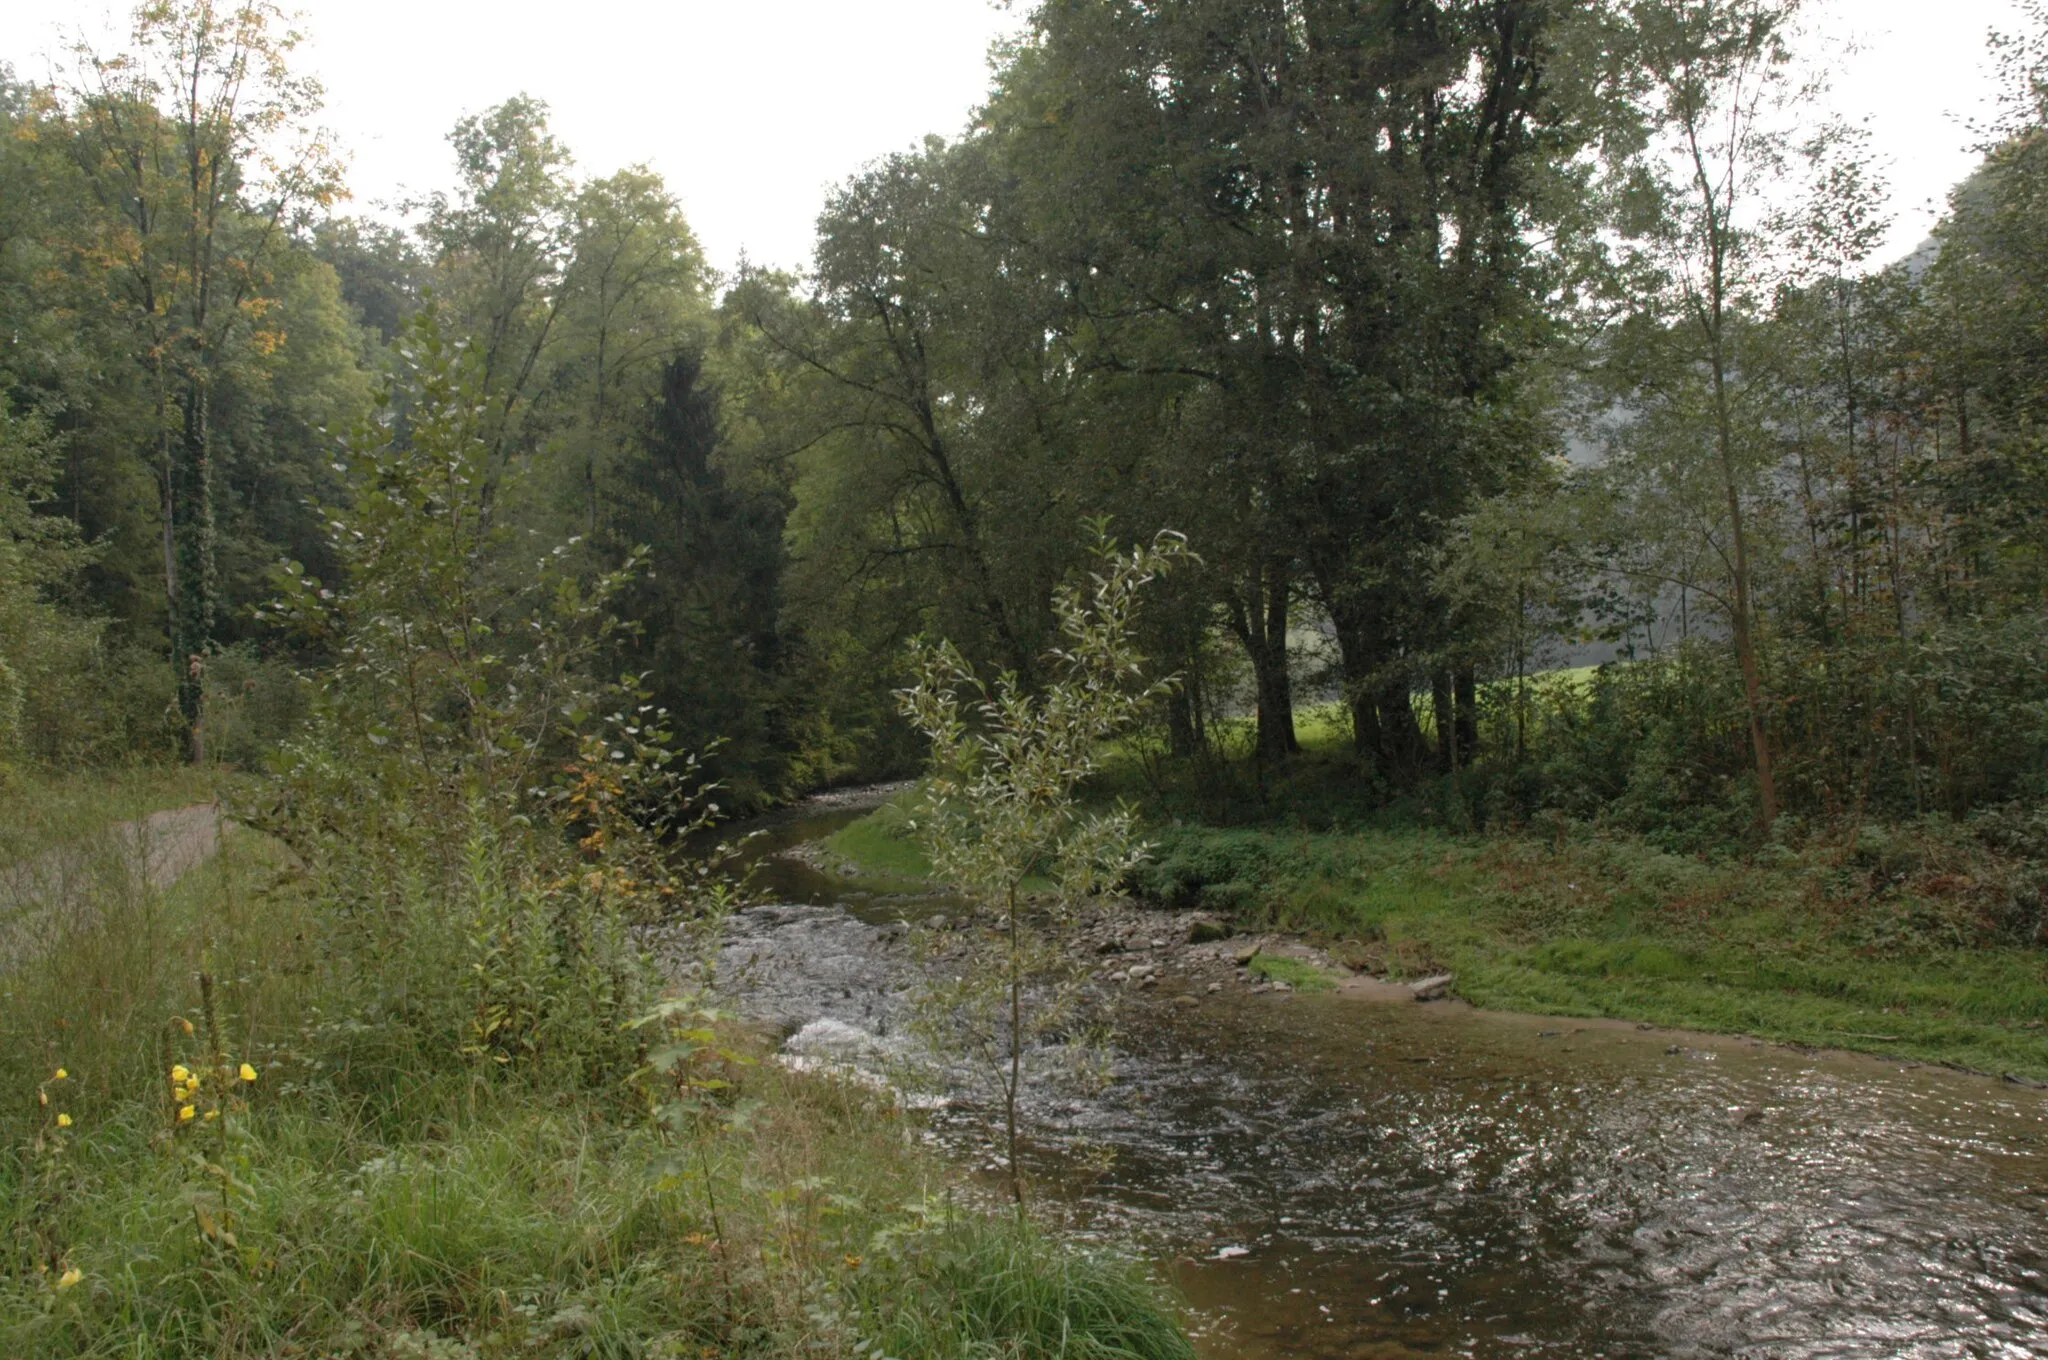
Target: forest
x=1453, y=343
x=1559, y=478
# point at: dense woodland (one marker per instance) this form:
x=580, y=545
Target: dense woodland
x=1457, y=338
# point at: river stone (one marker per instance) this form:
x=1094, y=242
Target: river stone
x=1244, y=953
x=1208, y=930
x=1430, y=988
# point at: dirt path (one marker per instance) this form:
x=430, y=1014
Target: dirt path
x=37, y=895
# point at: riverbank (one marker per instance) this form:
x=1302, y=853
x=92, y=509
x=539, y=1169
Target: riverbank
x=1344, y=1171
x=346, y=1165
x=1874, y=945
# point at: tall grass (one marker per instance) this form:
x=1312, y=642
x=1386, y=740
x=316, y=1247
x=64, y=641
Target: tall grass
x=389, y=1187
x=984, y=1288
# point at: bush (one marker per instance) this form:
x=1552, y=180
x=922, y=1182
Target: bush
x=1188, y=863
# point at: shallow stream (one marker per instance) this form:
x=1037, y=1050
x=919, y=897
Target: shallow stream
x=1326, y=1176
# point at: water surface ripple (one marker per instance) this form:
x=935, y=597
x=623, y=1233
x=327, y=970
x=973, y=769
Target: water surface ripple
x=1331, y=1177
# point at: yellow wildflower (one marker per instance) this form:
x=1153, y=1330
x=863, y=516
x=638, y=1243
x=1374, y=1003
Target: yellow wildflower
x=63, y=1121
x=70, y=1277
x=212, y=1115
x=185, y=1113
x=61, y=1074
x=185, y=1024
x=248, y=1072
x=181, y=1074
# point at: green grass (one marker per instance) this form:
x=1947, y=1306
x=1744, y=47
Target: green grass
x=390, y=1194
x=1815, y=947
x=880, y=850
x=1828, y=945
x=989, y=1288
x=1303, y=977
x=880, y=846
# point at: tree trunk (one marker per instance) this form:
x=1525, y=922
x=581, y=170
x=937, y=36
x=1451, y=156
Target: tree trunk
x=1745, y=641
x=1259, y=618
x=1402, y=748
x=1465, y=694
x=1440, y=703
x=1181, y=741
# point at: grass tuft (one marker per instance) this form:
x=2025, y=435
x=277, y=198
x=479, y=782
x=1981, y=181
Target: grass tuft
x=1303, y=977
x=1000, y=1289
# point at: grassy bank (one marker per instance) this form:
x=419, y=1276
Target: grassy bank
x=1880, y=939
x=398, y=1179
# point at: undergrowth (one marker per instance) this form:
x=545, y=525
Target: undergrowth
x=379, y=1191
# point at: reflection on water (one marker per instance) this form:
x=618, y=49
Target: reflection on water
x=1329, y=1177
x=1417, y=1179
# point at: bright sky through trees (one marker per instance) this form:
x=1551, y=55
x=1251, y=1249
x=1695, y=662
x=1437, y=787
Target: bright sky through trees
x=751, y=110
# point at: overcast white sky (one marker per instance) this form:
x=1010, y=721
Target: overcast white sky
x=751, y=109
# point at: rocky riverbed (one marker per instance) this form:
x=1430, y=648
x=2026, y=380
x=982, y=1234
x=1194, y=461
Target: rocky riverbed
x=1325, y=1178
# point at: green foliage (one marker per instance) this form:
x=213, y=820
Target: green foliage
x=41, y=650
x=472, y=801
x=471, y=1123
x=386, y=1198
x=707, y=596
x=998, y=807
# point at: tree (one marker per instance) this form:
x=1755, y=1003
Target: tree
x=707, y=603
x=1717, y=83
x=999, y=808
x=633, y=291
x=40, y=647
x=931, y=363
x=499, y=246
x=199, y=150
x=1322, y=216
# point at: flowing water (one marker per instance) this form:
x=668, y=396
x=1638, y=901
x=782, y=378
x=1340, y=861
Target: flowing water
x=1326, y=1176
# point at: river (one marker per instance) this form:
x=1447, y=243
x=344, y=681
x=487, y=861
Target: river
x=1325, y=1176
